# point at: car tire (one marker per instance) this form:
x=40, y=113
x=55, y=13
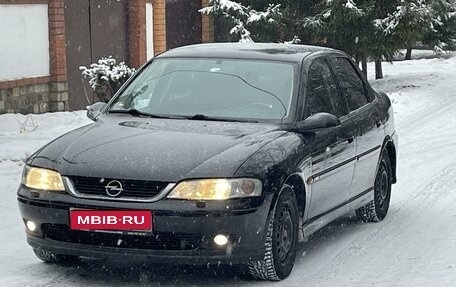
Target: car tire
x=377, y=209
x=281, y=240
x=51, y=257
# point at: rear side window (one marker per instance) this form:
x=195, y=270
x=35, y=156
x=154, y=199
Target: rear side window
x=351, y=85
x=322, y=95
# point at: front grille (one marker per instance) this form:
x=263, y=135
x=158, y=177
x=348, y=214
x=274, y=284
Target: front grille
x=131, y=188
x=157, y=241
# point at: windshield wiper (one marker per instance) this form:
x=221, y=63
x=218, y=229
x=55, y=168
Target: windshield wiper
x=137, y=113
x=202, y=117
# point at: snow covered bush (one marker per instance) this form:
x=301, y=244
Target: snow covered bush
x=106, y=77
x=295, y=41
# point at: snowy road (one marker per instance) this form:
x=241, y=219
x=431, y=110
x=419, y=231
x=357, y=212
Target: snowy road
x=414, y=246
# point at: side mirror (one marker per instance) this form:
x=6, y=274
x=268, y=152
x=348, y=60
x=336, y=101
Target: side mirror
x=95, y=110
x=319, y=121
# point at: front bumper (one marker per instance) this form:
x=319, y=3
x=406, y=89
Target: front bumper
x=182, y=231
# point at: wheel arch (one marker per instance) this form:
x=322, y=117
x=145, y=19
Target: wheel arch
x=388, y=144
x=299, y=189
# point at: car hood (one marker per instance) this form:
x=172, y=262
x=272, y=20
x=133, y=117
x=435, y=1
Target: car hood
x=155, y=149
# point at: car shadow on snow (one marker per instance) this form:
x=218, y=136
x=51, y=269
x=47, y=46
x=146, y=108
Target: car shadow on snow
x=93, y=272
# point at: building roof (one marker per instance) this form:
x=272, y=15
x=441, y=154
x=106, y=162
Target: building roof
x=255, y=51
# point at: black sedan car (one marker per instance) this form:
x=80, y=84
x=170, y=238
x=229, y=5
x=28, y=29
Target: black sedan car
x=216, y=153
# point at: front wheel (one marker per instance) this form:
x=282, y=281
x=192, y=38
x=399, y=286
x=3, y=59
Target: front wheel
x=377, y=209
x=281, y=240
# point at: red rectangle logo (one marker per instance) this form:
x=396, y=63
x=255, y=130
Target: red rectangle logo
x=129, y=220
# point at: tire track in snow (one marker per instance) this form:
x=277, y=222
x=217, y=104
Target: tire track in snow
x=367, y=249
x=410, y=123
x=415, y=234
x=57, y=281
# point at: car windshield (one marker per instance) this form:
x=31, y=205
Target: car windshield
x=211, y=88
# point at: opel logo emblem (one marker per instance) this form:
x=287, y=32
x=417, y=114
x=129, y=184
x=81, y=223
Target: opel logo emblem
x=114, y=188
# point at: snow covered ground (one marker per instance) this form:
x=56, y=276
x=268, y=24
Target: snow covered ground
x=418, y=54
x=414, y=246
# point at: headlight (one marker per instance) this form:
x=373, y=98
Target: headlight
x=40, y=178
x=216, y=189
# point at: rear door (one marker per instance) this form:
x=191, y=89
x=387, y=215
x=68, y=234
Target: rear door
x=364, y=112
x=333, y=150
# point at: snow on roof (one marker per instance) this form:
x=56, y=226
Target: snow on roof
x=259, y=51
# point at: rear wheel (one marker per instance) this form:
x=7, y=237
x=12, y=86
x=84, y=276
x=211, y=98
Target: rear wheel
x=377, y=209
x=281, y=240
x=51, y=257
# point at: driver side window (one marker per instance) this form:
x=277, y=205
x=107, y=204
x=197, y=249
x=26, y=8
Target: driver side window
x=322, y=95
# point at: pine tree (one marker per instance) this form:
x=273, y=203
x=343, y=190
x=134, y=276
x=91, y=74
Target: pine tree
x=441, y=34
x=241, y=18
x=344, y=25
x=341, y=22
x=366, y=29
x=405, y=26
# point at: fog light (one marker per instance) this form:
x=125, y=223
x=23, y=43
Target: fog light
x=30, y=225
x=220, y=240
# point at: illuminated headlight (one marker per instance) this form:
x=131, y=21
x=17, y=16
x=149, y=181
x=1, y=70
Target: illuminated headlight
x=44, y=179
x=216, y=189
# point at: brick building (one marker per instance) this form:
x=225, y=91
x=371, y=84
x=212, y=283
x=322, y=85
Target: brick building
x=43, y=43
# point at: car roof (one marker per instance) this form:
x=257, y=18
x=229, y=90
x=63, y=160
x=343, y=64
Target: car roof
x=250, y=51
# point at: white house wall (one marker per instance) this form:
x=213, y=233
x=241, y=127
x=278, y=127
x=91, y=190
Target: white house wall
x=24, y=41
